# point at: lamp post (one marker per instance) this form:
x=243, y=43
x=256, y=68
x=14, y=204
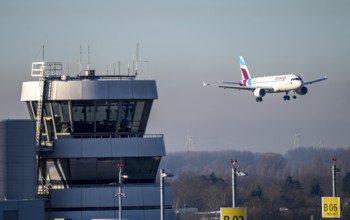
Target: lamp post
x=161, y=180
x=334, y=177
x=234, y=173
x=120, y=193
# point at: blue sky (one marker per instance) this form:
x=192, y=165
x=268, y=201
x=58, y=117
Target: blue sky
x=187, y=42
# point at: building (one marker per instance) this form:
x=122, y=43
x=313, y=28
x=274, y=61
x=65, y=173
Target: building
x=18, y=197
x=84, y=130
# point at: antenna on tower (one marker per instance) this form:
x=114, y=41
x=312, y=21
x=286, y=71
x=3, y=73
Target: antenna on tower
x=136, y=60
x=189, y=144
x=43, y=52
x=88, y=66
x=79, y=60
x=118, y=66
x=296, y=142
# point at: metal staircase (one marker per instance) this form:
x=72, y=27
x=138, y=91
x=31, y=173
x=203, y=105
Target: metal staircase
x=39, y=110
x=46, y=72
x=38, y=69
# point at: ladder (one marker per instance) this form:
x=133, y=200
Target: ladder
x=50, y=89
x=39, y=110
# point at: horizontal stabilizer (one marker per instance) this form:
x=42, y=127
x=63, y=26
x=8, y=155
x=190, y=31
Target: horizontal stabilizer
x=233, y=83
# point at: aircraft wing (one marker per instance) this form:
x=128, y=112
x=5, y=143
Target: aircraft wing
x=313, y=81
x=238, y=86
x=234, y=83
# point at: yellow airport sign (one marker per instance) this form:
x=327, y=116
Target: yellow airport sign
x=233, y=213
x=330, y=207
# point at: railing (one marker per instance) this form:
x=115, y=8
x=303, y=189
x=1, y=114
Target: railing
x=119, y=135
x=43, y=192
x=54, y=71
x=46, y=69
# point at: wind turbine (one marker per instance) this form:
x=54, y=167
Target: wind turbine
x=296, y=142
x=322, y=141
x=189, y=144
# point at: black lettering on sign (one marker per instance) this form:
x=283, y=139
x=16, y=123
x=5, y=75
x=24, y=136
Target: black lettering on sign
x=233, y=217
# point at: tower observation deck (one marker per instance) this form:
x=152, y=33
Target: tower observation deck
x=86, y=125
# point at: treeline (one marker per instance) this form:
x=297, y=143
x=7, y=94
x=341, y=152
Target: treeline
x=278, y=186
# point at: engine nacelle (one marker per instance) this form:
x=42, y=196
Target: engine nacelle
x=302, y=90
x=259, y=92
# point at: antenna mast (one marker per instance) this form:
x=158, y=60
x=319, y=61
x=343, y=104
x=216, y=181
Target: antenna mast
x=118, y=66
x=80, y=60
x=43, y=52
x=88, y=66
x=137, y=58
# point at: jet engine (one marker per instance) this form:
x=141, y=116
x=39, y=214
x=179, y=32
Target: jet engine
x=259, y=92
x=302, y=90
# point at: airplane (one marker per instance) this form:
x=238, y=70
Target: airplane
x=268, y=84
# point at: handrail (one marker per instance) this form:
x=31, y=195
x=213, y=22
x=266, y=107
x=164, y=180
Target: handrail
x=119, y=135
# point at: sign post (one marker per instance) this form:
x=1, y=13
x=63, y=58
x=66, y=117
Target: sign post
x=330, y=207
x=233, y=213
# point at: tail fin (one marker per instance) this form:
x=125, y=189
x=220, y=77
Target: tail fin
x=244, y=69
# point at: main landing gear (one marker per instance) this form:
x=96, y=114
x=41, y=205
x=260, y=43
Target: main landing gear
x=259, y=99
x=287, y=97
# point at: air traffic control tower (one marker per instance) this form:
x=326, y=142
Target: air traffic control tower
x=87, y=126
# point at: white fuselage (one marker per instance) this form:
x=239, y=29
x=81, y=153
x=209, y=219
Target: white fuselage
x=280, y=83
x=268, y=84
